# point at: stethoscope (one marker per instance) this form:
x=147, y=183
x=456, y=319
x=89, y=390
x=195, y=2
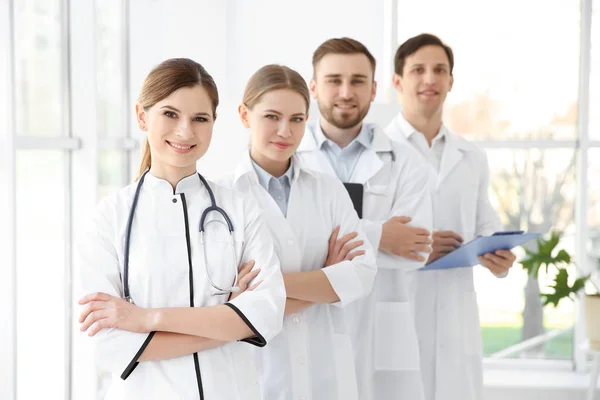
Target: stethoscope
x=213, y=207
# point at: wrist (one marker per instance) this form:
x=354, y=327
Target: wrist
x=153, y=319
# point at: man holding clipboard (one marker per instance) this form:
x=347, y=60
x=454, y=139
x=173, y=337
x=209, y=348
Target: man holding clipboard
x=447, y=318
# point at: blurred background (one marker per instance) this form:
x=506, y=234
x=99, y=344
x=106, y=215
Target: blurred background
x=527, y=89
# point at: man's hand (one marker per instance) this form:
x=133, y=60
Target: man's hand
x=499, y=262
x=444, y=242
x=405, y=241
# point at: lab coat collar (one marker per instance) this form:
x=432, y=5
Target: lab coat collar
x=187, y=185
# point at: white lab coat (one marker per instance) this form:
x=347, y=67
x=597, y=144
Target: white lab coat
x=384, y=336
x=312, y=358
x=447, y=318
x=159, y=277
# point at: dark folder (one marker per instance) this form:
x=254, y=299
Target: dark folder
x=356, y=191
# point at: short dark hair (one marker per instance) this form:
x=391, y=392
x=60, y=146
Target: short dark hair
x=343, y=45
x=413, y=44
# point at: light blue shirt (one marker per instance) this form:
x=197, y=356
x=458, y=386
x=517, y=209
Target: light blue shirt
x=278, y=188
x=344, y=160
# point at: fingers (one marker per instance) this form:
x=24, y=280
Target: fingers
x=448, y=242
x=402, y=220
x=357, y=253
x=502, y=262
x=448, y=235
x=333, y=237
x=247, y=278
x=247, y=267
x=98, y=296
x=492, y=265
x=506, y=254
x=341, y=242
x=91, y=307
x=423, y=240
x=255, y=285
x=444, y=249
x=92, y=318
x=348, y=247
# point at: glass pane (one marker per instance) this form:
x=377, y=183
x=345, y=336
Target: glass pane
x=109, y=82
x=111, y=172
x=38, y=84
x=41, y=274
x=510, y=82
x=594, y=210
x=532, y=190
x=595, y=73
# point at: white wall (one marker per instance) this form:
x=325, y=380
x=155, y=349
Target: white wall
x=234, y=38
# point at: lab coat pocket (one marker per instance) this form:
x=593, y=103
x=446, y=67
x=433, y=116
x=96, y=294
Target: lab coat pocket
x=344, y=365
x=244, y=368
x=396, y=346
x=471, y=331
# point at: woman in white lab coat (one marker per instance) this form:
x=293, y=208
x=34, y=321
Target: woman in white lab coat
x=188, y=325
x=312, y=358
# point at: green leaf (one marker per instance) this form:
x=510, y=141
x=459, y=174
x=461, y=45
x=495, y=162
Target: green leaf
x=561, y=288
x=563, y=257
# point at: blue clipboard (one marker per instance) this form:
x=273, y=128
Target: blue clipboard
x=466, y=255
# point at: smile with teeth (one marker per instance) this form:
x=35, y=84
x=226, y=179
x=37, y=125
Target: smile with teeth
x=344, y=106
x=179, y=146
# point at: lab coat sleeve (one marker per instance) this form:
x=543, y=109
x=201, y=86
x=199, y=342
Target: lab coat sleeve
x=487, y=218
x=412, y=198
x=350, y=280
x=262, y=309
x=373, y=231
x=115, y=350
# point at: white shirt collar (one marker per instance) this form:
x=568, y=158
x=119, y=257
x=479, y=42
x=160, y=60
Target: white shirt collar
x=364, y=137
x=408, y=130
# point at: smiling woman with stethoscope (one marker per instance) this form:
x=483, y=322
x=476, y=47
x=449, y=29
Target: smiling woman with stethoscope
x=168, y=310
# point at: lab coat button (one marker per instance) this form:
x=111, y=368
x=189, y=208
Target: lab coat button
x=174, y=200
x=290, y=242
x=296, y=320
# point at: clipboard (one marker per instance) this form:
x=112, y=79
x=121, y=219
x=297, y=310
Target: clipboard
x=466, y=255
x=356, y=192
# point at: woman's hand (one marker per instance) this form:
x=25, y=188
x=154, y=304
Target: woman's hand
x=105, y=311
x=341, y=249
x=245, y=276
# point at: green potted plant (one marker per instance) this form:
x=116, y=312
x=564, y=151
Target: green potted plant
x=546, y=256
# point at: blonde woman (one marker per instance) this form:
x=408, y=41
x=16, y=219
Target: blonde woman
x=326, y=260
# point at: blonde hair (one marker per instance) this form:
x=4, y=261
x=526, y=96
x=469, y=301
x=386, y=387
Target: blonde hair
x=274, y=77
x=166, y=78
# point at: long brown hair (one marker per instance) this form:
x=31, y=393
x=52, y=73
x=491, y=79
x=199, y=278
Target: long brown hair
x=166, y=78
x=274, y=77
